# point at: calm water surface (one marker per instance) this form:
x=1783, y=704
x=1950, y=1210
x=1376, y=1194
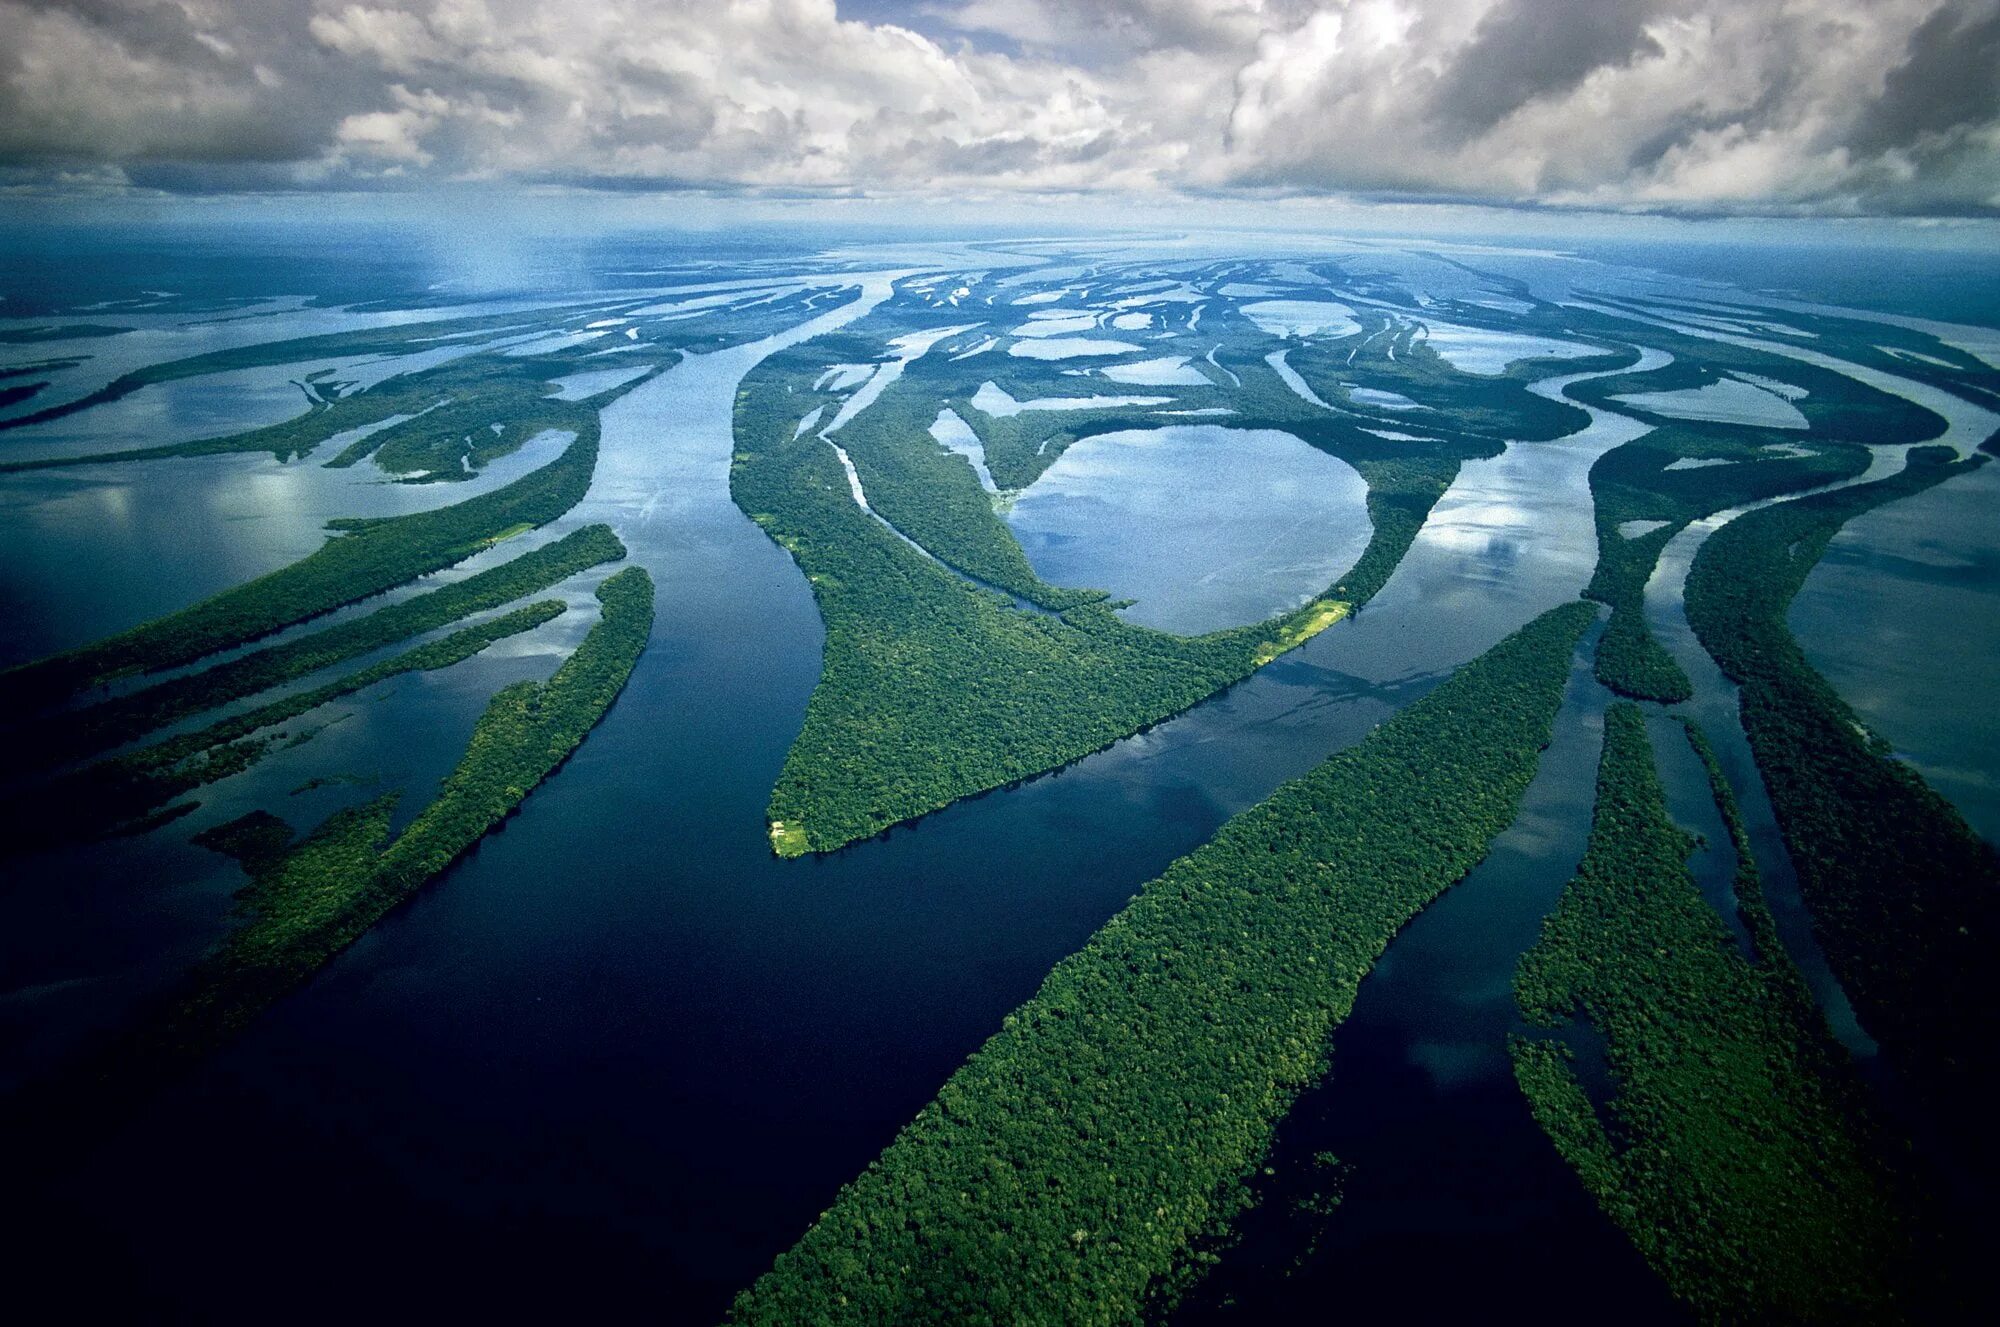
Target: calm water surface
x=1904, y=608
x=700, y=1021
x=1204, y=527
x=1452, y=1190
x=622, y=1037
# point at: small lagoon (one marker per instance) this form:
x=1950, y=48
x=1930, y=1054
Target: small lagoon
x=1203, y=527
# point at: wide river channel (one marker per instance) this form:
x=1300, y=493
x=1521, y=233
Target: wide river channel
x=623, y=1055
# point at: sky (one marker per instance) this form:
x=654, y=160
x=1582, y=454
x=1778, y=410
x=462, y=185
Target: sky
x=1686, y=107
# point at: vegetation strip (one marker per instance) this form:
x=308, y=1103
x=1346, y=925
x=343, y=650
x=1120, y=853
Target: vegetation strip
x=365, y=558
x=933, y=688
x=1635, y=482
x=104, y=796
x=70, y=734
x=1748, y=886
x=432, y=425
x=936, y=689
x=387, y=340
x=310, y=899
x=1904, y=895
x=1063, y=1170
x=1733, y=1151
x=313, y=900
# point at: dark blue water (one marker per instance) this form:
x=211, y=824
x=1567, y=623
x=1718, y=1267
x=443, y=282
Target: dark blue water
x=621, y=1028
x=1204, y=528
x=1953, y=282
x=621, y=1056
x=1871, y=615
x=1451, y=1191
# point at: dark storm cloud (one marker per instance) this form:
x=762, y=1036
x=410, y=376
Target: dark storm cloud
x=126, y=80
x=1950, y=79
x=1681, y=104
x=1539, y=48
x=151, y=26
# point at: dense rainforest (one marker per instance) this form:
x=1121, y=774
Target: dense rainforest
x=1090, y=1158
x=311, y=897
x=936, y=687
x=1649, y=490
x=1733, y=1148
x=362, y=559
x=1062, y=1172
x=68, y=734
x=1905, y=897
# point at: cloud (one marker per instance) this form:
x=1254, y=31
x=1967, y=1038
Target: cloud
x=1536, y=49
x=1662, y=103
x=780, y=93
x=1949, y=78
x=1815, y=105
x=393, y=38
x=1090, y=32
x=117, y=80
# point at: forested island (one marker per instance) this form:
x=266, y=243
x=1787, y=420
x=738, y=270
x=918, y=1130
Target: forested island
x=937, y=686
x=1731, y=1142
x=1063, y=1171
x=311, y=896
x=1904, y=896
x=949, y=784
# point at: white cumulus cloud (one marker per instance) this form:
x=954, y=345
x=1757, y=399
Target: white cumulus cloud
x=1892, y=105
